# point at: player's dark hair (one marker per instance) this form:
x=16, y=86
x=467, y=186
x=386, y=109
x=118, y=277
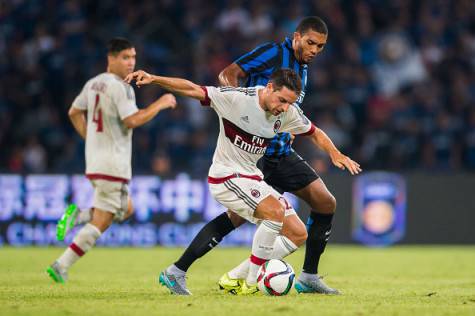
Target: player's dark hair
x=285, y=77
x=313, y=23
x=118, y=44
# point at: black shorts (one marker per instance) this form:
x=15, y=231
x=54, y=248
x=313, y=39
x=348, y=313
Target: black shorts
x=287, y=174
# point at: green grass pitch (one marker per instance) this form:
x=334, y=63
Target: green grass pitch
x=409, y=280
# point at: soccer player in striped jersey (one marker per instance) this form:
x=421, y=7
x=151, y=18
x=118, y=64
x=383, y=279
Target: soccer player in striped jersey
x=283, y=168
x=105, y=114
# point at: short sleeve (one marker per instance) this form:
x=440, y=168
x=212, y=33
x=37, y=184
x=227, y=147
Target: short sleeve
x=261, y=58
x=295, y=122
x=220, y=99
x=124, y=98
x=80, y=102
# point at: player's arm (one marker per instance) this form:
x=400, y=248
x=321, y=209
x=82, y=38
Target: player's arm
x=322, y=141
x=177, y=85
x=78, y=118
x=231, y=75
x=142, y=116
x=297, y=123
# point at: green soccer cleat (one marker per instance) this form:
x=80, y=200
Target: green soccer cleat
x=229, y=285
x=67, y=221
x=56, y=273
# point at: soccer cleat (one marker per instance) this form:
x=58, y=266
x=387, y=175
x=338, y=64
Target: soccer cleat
x=67, y=221
x=56, y=273
x=176, y=284
x=248, y=289
x=314, y=286
x=229, y=285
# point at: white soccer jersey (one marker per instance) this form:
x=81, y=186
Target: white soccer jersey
x=246, y=129
x=108, y=100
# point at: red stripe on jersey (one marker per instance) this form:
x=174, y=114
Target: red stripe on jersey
x=257, y=261
x=76, y=249
x=310, y=132
x=99, y=176
x=214, y=180
x=231, y=130
x=207, y=100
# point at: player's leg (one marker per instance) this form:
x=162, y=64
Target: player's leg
x=110, y=199
x=292, y=236
x=272, y=214
x=212, y=233
x=72, y=217
x=209, y=237
x=128, y=213
x=295, y=175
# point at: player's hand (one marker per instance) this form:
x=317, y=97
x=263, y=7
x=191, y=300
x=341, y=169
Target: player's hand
x=167, y=100
x=344, y=162
x=141, y=78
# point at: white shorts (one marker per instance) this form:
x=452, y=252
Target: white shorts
x=242, y=195
x=111, y=196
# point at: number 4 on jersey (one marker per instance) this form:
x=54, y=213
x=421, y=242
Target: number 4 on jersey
x=97, y=115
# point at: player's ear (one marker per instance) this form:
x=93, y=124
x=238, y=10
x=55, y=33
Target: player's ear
x=297, y=36
x=270, y=86
x=110, y=58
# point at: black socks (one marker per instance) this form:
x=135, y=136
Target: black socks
x=318, y=229
x=209, y=237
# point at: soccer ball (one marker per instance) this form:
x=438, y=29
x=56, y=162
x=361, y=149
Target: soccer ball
x=275, y=277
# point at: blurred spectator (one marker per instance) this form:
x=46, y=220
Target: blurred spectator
x=394, y=87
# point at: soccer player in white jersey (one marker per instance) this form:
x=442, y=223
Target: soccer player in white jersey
x=249, y=118
x=105, y=114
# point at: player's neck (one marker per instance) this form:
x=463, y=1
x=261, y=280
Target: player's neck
x=111, y=71
x=261, y=96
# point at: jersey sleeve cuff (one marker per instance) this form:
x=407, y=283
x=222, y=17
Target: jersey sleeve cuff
x=207, y=100
x=309, y=132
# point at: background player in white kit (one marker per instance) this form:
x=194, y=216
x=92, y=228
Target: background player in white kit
x=104, y=114
x=249, y=118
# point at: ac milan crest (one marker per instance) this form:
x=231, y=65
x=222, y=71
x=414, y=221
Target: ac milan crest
x=277, y=125
x=255, y=193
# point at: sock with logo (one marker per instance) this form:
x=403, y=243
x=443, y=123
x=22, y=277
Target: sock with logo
x=208, y=237
x=318, y=229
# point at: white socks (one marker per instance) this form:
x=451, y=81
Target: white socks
x=282, y=248
x=84, y=240
x=262, y=247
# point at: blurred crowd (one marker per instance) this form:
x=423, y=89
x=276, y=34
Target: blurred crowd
x=394, y=88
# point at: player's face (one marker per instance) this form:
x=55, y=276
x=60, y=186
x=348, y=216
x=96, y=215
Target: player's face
x=308, y=45
x=280, y=100
x=123, y=63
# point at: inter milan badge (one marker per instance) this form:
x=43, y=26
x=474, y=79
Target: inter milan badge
x=255, y=193
x=277, y=125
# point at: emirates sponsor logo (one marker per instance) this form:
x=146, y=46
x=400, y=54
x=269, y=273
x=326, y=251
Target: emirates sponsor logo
x=244, y=140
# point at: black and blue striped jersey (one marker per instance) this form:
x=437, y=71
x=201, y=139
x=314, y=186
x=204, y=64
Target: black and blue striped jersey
x=259, y=64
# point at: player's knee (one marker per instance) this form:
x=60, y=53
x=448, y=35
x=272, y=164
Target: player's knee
x=278, y=213
x=325, y=205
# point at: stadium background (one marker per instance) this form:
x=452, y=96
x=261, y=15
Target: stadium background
x=394, y=89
